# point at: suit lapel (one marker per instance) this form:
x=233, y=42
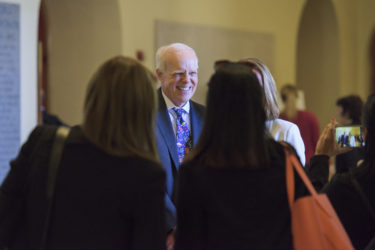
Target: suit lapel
x=196, y=124
x=166, y=130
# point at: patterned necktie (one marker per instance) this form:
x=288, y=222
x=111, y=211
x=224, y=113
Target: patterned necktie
x=183, y=139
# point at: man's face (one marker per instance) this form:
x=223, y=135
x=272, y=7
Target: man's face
x=180, y=77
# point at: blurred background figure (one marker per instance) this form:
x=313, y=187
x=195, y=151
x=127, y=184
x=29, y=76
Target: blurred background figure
x=50, y=119
x=306, y=121
x=348, y=112
x=44, y=117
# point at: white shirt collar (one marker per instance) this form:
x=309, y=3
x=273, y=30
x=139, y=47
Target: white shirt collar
x=170, y=104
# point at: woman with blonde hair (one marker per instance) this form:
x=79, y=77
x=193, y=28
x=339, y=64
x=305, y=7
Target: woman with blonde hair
x=279, y=129
x=109, y=191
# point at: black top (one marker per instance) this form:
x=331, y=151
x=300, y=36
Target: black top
x=349, y=206
x=348, y=160
x=50, y=119
x=101, y=201
x=234, y=208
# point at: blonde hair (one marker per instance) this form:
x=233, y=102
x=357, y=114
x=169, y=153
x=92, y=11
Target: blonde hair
x=120, y=107
x=173, y=47
x=269, y=88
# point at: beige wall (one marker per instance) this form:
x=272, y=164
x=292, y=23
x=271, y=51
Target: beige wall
x=270, y=16
x=82, y=34
x=366, y=27
x=125, y=26
x=318, y=58
x=356, y=23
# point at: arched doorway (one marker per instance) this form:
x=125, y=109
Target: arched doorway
x=318, y=58
x=372, y=62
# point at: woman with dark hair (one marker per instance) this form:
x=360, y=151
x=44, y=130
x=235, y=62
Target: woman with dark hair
x=109, y=191
x=353, y=211
x=349, y=112
x=231, y=191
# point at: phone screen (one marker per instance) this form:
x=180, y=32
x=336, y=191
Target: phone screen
x=349, y=136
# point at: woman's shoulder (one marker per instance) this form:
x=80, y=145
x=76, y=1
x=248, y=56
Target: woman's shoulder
x=277, y=152
x=280, y=128
x=287, y=125
x=42, y=131
x=40, y=139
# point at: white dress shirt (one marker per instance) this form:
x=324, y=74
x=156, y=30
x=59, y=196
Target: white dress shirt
x=172, y=114
x=282, y=130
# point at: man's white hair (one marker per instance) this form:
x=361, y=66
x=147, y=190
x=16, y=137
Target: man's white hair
x=173, y=47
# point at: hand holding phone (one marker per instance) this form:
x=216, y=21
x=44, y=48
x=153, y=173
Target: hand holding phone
x=327, y=143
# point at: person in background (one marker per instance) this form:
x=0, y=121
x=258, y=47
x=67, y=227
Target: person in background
x=45, y=117
x=279, y=129
x=231, y=190
x=348, y=113
x=179, y=120
x=306, y=121
x=349, y=110
x=109, y=190
x=50, y=119
x=351, y=208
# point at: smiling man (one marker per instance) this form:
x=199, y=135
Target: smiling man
x=179, y=120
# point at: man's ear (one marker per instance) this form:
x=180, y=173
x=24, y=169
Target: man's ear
x=159, y=74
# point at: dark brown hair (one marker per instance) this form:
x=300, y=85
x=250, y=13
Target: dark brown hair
x=352, y=106
x=119, y=109
x=234, y=129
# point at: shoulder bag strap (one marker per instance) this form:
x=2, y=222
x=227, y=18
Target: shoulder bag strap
x=57, y=149
x=291, y=163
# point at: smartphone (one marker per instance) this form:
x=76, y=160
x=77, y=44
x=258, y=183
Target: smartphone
x=349, y=136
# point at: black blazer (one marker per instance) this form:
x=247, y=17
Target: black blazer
x=166, y=143
x=225, y=208
x=101, y=201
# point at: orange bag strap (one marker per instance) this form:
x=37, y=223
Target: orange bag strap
x=289, y=179
x=290, y=163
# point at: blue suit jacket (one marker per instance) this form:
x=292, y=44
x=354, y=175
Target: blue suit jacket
x=166, y=143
